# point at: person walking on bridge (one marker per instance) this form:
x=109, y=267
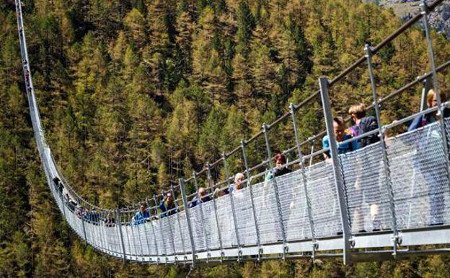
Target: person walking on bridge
x=367, y=187
x=167, y=206
x=341, y=135
x=202, y=197
x=269, y=198
x=142, y=215
x=426, y=160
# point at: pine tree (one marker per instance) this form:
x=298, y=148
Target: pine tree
x=207, y=63
x=184, y=27
x=182, y=130
x=245, y=25
x=105, y=16
x=137, y=30
x=264, y=68
x=323, y=47
x=242, y=81
x=159, y=54
x=209, y=141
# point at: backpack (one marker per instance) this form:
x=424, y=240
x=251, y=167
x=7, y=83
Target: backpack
x=367, y=124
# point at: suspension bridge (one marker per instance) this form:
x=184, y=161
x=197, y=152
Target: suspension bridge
x=321, y=209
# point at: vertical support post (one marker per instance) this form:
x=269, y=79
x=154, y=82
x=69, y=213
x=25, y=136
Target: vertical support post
x=153, y=229
x=385, y=158
x=304, y=179
x=95, y=231
x=102, y=246
x=425, y=12
x=252, y=200
x=99, y=230
x=202, y=217
x=188, y=218
x=109, y=231
x=102, y=232
x=149, y=221
x=107, y=243
x=178, y=220
x=137, y=227
x=84, y=228
x=338, y=178
x=312, y=151
x=127, y=235
x=275, y=187
x=119, y=226
x=63, y=203
x=106, y=233
x=131, y=237
x=172, y=242
x=426, y=87
x=233, y=209
x=91, y=232
x=161, y=228
x=219, y=234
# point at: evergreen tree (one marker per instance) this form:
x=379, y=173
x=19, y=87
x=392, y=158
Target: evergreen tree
x=206, y=58
x=184, y=27
x=242, y=80
x=105, y=16
x=181, y=130
x=264, y=68
x=245, y=25
x=209, y=141
x=136, y=28
x=159, y=54
x=323, y=47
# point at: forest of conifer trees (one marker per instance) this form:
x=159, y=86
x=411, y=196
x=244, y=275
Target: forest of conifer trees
x=135, y=94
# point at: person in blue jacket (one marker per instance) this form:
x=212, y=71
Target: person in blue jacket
x=142, y=215
x=341, y=135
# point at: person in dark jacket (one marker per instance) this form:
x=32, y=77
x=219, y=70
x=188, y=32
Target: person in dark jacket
x=423, y=160
x=363, y=124
x=202, y=197
x=429, y=118
x=167, y=205
x=58, y=185
x=280, y=167
x=268, y=192
x=367, y=182
x=109, y=220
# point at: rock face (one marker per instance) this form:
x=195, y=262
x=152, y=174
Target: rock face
x=439, y=19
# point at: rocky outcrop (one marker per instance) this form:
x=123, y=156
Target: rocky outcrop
x=439, y=19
